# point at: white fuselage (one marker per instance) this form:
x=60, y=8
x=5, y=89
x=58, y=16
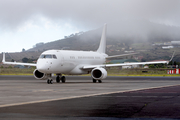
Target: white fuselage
x=68, y=62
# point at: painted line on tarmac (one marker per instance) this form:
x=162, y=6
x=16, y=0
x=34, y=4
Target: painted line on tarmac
x=73, y=97
x=135, y=96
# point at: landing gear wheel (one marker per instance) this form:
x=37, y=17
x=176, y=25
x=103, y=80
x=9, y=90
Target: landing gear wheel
x=63, y=79
x=94, y=81
x=99, y=81
x=49, y=81
x=58, y=79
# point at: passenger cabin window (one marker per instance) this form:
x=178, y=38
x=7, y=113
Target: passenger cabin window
x=48, y=56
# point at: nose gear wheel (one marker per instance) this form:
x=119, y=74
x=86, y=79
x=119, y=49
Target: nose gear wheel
x=49, y=81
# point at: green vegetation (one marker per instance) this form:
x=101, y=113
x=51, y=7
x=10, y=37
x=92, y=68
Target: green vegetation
x=114, y=71
x=27, y=60
x=16, y=71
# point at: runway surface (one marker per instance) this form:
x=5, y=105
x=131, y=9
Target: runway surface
x=23, y=97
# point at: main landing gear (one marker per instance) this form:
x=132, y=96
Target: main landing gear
x=60, y=78
x=94, y=81
x=63, y=79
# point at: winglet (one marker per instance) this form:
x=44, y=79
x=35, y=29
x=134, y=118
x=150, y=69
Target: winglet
x=102, y=45
x=172, y=56
x=3, y=61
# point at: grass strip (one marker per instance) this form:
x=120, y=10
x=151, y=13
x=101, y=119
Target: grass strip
x=111, y=72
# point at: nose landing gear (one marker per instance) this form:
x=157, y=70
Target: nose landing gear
x=49, y=81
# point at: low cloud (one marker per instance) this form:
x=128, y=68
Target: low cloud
x=90, y=14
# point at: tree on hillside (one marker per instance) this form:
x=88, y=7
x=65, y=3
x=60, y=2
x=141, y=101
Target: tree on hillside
x=143, y=60
x=23, y=50
x=170, y=63
x=28, y=60
x=25, y=60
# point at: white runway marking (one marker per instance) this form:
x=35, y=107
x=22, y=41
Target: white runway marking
x=136, y=96
x=73, y=97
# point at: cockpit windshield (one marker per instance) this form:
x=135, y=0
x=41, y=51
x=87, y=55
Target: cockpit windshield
x=48, y=56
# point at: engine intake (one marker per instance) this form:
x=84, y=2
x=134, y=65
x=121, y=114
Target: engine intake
x=39, y=75
x=99, y=73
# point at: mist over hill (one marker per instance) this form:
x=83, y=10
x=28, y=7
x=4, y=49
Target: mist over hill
x=119, y=35
x=122, y=37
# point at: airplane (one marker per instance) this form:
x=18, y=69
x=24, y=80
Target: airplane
x=71, y=62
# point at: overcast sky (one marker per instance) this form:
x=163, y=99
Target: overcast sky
x=23, y=23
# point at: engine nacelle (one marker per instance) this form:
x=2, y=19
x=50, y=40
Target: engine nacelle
x=39, y=75
x=99, y=73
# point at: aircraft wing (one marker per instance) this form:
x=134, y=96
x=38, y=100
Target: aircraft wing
x=123, y=64
x=16, y=63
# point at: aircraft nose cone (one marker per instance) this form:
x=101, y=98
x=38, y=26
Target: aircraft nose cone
x=41, y=66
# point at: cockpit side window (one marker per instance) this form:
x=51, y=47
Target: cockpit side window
x=48, y=56
x=42, y=56
x=54, y=56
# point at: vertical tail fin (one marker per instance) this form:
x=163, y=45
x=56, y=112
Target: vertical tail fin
x=102, y=45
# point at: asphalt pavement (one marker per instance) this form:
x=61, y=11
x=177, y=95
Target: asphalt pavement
x=23, y=97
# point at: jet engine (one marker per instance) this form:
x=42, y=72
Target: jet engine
x=99, y=73
x=39, y=75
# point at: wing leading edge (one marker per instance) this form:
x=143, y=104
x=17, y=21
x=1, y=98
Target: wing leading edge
x=124, y=64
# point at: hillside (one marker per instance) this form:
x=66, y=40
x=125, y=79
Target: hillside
x=128, y=33
x=121, y=39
